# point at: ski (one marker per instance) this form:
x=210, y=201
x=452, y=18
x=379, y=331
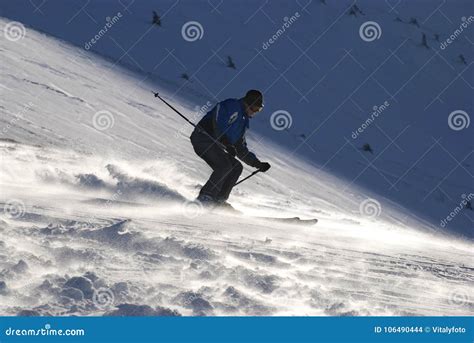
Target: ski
x=290, y=220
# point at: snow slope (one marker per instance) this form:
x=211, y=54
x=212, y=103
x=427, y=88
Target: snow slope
x=95, y=218
x=320, y=71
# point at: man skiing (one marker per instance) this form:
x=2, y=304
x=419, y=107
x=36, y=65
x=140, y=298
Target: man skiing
x=225, y=126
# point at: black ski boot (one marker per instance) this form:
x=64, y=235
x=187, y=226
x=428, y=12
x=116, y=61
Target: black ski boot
x=207, y=201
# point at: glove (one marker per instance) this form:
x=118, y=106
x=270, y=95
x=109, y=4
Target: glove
x=231, y=150
x=263, y=166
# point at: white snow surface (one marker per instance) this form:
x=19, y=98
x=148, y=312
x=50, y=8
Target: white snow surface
x=98, y=221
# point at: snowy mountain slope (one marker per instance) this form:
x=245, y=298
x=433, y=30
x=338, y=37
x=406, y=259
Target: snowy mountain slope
x=321, y=72
x=94, y=221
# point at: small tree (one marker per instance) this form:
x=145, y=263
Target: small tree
x=469, y=205
x=185, y=76
x=424, y=41
x=367, y=147
x=230, y=63
x=355, y=10
x=414, y=21
x=156, y=19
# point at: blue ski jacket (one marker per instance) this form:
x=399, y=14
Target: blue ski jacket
x=227, y=122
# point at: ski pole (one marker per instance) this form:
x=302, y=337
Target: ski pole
x=248, y=177
x=219, y=144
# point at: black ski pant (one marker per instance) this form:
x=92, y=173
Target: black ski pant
x=225, y=168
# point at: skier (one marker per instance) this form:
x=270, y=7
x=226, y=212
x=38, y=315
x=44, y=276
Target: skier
x=226, y=123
